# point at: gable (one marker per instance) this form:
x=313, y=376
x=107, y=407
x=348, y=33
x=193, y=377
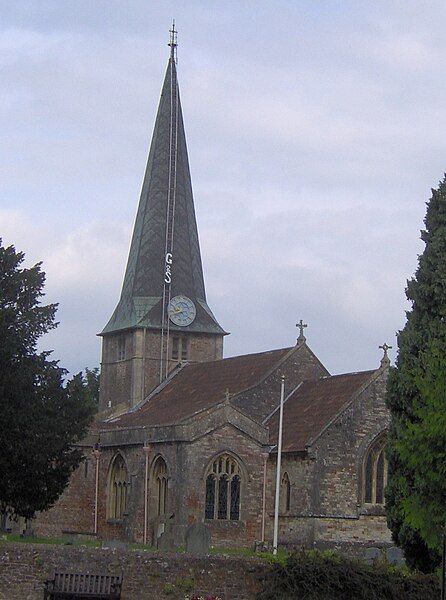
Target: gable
x=312, y=406
x=299, y=364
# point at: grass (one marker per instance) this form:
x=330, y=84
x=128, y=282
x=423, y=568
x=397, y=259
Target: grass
x=15, y=537
x=94, y=543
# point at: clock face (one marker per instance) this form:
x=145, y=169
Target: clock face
x=181, y=310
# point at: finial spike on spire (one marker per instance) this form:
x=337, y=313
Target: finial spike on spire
x=173, y=41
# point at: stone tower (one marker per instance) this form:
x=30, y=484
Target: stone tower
x=162, y=317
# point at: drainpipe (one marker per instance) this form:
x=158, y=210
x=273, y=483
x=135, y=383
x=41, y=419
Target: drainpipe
x=96, y=454
x=279, y=461
x=265, y=458
x=143, y=376
x=443, y=567
x=146, y=491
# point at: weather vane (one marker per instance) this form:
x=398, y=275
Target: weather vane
x=173, y=41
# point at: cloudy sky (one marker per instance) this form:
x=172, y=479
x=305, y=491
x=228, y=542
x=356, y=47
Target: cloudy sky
x=316, y=130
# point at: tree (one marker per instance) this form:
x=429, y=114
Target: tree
x=416, y=490
x=42, y=417
x=91, y=382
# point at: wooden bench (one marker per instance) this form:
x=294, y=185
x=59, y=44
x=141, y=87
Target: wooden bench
x=82, y=586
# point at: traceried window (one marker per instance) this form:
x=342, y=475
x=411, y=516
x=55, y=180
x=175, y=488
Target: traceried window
x=180, y=348
x=118, y=488
x=160, y=485
x=375, y=473
x=223, y=482
x=285, y=493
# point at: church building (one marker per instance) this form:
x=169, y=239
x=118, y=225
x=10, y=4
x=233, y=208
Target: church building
x=186, y=436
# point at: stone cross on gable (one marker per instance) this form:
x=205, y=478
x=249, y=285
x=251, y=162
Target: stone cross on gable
x=227, y=395
x=301, y=325
x=385, y=361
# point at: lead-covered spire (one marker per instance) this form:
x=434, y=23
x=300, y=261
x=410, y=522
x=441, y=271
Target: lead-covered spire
x=165, y=242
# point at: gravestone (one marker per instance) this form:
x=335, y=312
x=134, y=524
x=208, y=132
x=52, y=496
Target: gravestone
x=395, y=556
x=198, y=539
x=115, y=545
x=372, y=554
x=166, y=539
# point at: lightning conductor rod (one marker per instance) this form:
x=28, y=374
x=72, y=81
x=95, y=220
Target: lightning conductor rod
x=171, y=198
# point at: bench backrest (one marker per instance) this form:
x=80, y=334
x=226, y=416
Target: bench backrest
x=87, y=582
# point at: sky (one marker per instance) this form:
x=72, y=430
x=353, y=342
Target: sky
x=315, y=133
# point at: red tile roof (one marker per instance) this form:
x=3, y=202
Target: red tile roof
x=197, y=387
x=312, y=406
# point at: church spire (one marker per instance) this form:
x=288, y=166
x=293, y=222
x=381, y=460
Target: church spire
x=164, y=260
x=162, y=317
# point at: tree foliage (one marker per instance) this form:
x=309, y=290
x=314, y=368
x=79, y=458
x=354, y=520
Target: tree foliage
x=42, y=417
x=416, y=490
x=322, y=576
x=90, y=380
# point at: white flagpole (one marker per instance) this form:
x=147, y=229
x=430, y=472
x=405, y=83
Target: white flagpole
x=279, y=461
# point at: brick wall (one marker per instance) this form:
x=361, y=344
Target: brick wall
x=147, y=576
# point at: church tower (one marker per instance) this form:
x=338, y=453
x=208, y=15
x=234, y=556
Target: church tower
x=162, y=317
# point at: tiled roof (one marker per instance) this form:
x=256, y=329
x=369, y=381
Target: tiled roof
x=312, y=406
x=200, y=386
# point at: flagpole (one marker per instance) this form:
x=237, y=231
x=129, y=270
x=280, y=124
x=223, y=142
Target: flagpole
x=279, y=461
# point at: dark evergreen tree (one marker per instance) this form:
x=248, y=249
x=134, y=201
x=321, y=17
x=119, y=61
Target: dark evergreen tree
x=90, y=380
x=41, y=416
x=416, y=490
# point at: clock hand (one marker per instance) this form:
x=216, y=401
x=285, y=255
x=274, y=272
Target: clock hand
x=175, y=309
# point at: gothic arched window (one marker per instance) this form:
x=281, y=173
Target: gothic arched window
x=375, y=473
x=118, y=488
x=285, y=493
x=223, y=482
x=160, y=485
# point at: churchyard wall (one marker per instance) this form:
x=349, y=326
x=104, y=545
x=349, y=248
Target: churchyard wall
x=146, y=575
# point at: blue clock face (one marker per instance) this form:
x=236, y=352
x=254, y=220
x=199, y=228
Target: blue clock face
x=181, y=310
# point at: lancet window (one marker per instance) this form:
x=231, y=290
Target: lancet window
x=118, y=488
x=160, y=480
x=223, y=483
x=285, y=493
x=375, y=473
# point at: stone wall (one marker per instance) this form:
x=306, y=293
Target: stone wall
x=327, y=501
x=147, y=575
x=122, y=381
